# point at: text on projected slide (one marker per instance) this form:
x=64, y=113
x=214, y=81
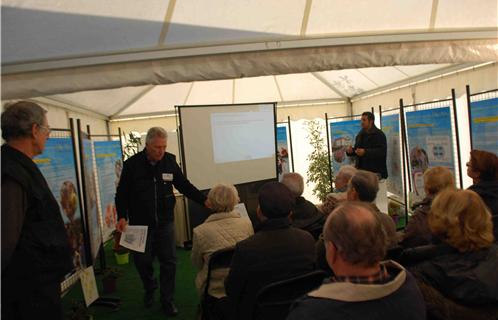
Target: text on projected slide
x=239, y=136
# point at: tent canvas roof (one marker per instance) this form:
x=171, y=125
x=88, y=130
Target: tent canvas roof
x=124, y=58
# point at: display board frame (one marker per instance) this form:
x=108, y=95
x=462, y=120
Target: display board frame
x=426, y=106
x=476, y=98
x=92, y=241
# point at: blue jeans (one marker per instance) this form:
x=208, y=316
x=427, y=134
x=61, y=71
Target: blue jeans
x=160, y=243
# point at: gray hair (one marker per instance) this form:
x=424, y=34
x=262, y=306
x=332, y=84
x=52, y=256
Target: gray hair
x=357, y=233
x=155, y=132
x=366, y=184
x=346, y=172
x=223, y=197
x=295, y=183
x=18, y=119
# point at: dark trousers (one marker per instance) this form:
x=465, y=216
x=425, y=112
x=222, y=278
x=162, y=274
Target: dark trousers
x=39, y=303
x=160, y=243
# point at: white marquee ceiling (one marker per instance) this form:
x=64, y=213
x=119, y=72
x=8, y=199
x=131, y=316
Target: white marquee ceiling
x=125, y=57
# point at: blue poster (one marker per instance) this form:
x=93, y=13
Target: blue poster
x=56, y=163
x=429, y=143
x=282, y=151
x=109, y=165
x=484, y=126
x=342, y=135
x=390, y=127
x=91, y=198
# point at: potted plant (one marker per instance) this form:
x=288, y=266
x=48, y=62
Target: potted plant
x=109, y=279
x=319, y=167
x=121, y=254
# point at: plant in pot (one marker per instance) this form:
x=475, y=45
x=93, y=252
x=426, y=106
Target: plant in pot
x=120, y=253
x=319, y=170
x=109, y=279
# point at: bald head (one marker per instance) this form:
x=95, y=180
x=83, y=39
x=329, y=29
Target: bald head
x=357, y=233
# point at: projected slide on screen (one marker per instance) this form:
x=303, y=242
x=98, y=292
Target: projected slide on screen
x=239, y=136
x=228, y=143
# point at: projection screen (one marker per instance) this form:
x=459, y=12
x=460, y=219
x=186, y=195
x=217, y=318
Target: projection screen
x=228, y=143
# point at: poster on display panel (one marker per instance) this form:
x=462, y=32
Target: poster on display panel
x=484, y=117
x=429, y=143
x=108, y=158
x=91, y=203
x=57, y=165
x=390, y=127
x=282, y=150
x=342, y=135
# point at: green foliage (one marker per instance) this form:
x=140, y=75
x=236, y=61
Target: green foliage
x=318, y=170
x=132, y=145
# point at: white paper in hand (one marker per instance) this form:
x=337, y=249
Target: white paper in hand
x=134, y=238
x=241, y=209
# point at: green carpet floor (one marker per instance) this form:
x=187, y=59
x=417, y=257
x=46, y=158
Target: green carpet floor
x=130, y=291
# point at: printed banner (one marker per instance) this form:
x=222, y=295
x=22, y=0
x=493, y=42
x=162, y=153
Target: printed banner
x=390, y=127
x=91, y=198
x=342, y=135
x=429, y=143
x=108, y=157
x=484, y=117
x=282, y=151
x=56, y=163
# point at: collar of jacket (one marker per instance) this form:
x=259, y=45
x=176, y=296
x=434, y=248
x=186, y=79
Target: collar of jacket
x=19, y=157
x=222, y=215
x=275, y=224
x=353, y=292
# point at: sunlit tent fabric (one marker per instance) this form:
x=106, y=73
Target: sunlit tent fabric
x=127, y=58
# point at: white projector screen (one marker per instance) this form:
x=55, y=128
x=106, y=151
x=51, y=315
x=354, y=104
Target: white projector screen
x=228, y=143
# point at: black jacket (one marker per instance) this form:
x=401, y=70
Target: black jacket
x=276, y=252
x=469, y=278
x=488, y=191
x=417, y=232
x=42, y=255
x=306, y=216
x=375, y=144
x=145, y=192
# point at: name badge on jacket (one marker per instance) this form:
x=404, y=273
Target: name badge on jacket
x=167, y=177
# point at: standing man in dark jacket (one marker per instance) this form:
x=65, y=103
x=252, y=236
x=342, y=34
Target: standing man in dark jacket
x=370, y=150
x=145, y=197
x=276, y=252
x=35, y=247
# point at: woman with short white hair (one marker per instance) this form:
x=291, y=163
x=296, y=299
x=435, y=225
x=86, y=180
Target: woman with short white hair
x=222, y=229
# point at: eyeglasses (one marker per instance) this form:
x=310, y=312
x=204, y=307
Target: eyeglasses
x=46, y=128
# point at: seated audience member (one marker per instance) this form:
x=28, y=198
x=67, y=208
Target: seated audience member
x=332, y=200
x=276, y=252
x=463, y=268
x=364, y=186
x=222, y=229
x=483, y=169
x=417, y=231
x=362, y=287
x=305, y=215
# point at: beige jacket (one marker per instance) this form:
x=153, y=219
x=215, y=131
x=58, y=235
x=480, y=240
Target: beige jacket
x=219, y=231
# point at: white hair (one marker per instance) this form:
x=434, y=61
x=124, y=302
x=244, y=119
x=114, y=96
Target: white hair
x=155, y=132
x=295, y=183
x=346, y=172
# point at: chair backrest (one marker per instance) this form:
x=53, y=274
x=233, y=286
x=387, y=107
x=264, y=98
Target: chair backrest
x=274, y=300
x=219, y=259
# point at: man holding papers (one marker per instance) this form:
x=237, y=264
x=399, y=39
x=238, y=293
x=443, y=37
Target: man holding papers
x=145, y=197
